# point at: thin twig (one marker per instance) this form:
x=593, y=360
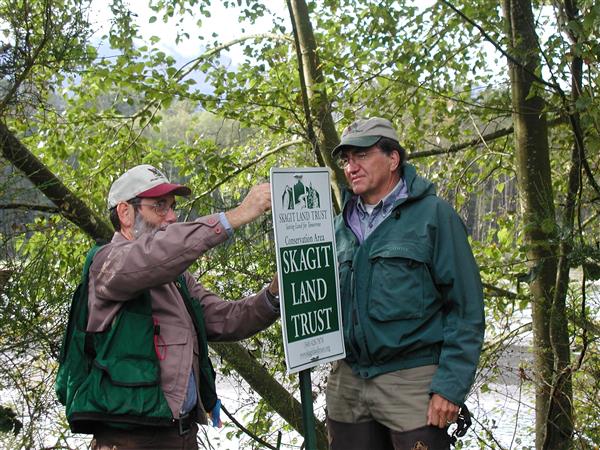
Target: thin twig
x=246, y=430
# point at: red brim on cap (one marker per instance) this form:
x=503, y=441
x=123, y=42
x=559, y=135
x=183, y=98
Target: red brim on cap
x=165, y=189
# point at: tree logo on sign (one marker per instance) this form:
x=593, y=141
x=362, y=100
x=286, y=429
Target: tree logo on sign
x=300, y=196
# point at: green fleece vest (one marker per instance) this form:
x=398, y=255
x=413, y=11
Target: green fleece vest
x=113, y=377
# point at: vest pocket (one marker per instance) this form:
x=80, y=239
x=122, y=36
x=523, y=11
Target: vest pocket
x=128, y=387
x=125, y=376
x=130, y=371
x=397, y=282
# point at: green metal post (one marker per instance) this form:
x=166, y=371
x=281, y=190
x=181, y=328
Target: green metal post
x=308, y=416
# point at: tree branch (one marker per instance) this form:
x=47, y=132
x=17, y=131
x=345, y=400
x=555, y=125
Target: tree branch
x=577, y=132
x=31, y=207
x=4, y=276
x=246, y=430
x=181, y=73
x=498, y=47
x=68, y=204
x=316, y=95
x=475, y=141
x=246, y=167
x=499, y=292
x=310, y=130
x=30, y=61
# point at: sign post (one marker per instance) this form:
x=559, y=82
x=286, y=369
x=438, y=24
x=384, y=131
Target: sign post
x=308, y=415
x=308, y=277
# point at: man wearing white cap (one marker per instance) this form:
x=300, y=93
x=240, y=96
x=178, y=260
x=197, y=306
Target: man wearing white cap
x=151, y=381
x=412, y=302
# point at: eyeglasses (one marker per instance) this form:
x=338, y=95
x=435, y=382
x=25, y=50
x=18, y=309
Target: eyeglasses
x=354, y=157
x=160, y=207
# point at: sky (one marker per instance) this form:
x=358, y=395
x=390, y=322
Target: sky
x=223, y=22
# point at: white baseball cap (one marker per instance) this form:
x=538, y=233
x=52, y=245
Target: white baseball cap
x=143, y=181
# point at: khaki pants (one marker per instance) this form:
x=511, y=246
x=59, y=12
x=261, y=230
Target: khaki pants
x=388, y=412
x=398, y=400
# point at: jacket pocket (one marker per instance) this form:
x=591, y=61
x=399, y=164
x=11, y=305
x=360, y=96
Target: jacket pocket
x=171, y=345
x=398, y=277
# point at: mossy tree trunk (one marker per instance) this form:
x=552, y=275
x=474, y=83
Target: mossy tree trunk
x=550, y=338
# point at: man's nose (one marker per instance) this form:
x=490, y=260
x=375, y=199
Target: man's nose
x=171, y=217
x=351, y=165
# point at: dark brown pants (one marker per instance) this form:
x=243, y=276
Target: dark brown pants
x=374, y=436
x=145, y=438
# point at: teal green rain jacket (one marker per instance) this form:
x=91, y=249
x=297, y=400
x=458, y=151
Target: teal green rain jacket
x=411, y=292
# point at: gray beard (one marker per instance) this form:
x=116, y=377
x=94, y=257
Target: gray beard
x=141, y=226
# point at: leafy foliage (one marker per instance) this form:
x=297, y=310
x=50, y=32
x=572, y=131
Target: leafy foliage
x=89, y=109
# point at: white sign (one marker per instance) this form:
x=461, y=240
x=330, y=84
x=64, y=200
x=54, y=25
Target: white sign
x=306, y=267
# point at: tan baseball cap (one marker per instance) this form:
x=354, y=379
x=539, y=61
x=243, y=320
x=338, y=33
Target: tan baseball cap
x=365, y=133
x=143, y=181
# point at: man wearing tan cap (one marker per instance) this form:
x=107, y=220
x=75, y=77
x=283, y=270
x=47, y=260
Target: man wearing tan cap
x=151, y=381
x=412, y=302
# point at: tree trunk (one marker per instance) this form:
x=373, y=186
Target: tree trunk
x=70, y=206
x=317, y=106
x=535, y=194
x=77, y=212
x=559, y=426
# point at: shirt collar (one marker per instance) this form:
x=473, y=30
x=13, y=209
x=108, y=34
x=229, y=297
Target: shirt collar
x=386, y=202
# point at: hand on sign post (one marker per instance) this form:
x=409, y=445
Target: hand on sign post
x=274, y=286
x=257, y=202
x=273, y=292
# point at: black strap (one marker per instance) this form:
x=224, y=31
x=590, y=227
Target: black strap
x=463, y=422
x=89, y=346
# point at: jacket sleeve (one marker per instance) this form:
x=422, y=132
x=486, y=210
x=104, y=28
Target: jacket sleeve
x=457, y=277
x=232, y=320
x=124, y=268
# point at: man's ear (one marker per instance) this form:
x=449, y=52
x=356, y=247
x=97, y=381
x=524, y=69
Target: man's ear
x=395, y=157
x=126, y=215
